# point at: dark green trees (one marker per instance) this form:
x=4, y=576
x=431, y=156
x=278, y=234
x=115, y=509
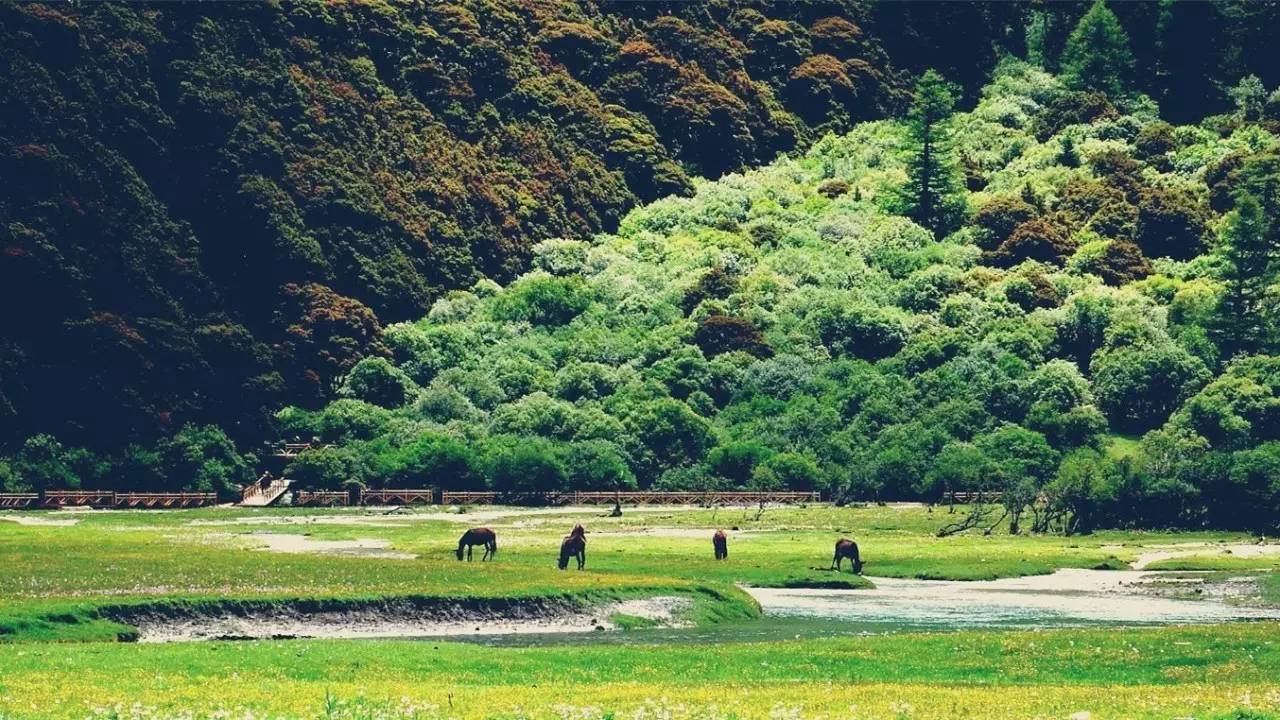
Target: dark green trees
x=934, y=193
x=1248, y=256
x=1097, y=55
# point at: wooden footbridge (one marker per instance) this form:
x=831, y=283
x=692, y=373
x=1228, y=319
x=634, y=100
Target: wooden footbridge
x=432, y=496
x=103, y=499
x=265, y=491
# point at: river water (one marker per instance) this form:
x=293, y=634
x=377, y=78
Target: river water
x=1066, y=598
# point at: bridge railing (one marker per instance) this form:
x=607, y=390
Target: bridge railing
x=472, y=497
x=163, y=500
x=321, y=498
x=19, y=501
x=419, y=496
x=409, y=496
x=293, y=449
x=78, y=498
x=965, y=497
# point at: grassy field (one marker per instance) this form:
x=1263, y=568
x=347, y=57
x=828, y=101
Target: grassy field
x=58, y=575
x=1185, y=672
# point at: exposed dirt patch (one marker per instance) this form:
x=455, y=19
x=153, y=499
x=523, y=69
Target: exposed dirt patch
x=1182, y=550
x=660, y=532
x=362, y=547
x=403, y=617
x=40, y=520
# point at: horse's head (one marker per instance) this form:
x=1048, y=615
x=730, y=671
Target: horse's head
x=578, y=531
x=459, y=551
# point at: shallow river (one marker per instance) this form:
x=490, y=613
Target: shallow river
x=1067, y=598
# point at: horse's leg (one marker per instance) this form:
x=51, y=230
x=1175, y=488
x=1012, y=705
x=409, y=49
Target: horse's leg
x=470, y=550
x=582, y=558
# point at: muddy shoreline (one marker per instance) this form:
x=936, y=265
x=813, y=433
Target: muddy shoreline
x=385, y=618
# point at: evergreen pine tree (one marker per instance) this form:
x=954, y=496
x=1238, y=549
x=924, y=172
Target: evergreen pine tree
x=1068, y=155
x=1097, y=55
x=934, y=193
x=1238, y=325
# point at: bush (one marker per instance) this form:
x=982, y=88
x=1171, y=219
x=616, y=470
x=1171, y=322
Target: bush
x=1036, y=240
x=375, y=380
x=718, y=334
x=543, y=300
x=999, y=216
x=525, y=465
x=1171, y=223
x=860, y=331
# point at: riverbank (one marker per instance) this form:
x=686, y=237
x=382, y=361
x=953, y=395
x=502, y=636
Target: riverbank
x=58, y=575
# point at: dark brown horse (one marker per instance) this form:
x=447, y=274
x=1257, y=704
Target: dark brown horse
x=479, y=536
x=721, y=544
x=846, y=548
x=574, y=545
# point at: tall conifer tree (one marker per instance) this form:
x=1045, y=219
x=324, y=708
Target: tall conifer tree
x=1097, y=55
x=934, y=193
x=1239, y=325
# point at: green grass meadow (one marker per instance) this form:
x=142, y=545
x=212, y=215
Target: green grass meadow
x=59, y=659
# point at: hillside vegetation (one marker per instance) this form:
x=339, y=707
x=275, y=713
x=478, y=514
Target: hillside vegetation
x=208, y=209
x=211, y=211
x=785, y=328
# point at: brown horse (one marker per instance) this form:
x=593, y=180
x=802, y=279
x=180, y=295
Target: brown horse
x=720, y=542
x=479, y=536
x=846, y=548
x=574, y=545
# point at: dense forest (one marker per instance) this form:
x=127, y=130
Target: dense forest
x=514, y=245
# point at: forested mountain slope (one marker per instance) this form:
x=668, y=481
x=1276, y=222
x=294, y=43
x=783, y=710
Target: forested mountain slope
x=210, y=210
x=1086, y=331
x=209, y=207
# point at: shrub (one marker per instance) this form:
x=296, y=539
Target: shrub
x=543, y=300
x=999, y=216
x=1032, y=240
x=718, y=334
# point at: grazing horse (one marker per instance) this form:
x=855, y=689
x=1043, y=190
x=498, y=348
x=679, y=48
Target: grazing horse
x=846, y=548
x=479, y=536
x=574, y=545
x=721, y=543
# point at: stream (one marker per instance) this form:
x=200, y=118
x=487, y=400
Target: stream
x=1066, y=598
